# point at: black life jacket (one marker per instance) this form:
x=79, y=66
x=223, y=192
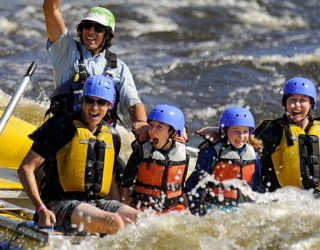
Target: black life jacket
x=66, y=98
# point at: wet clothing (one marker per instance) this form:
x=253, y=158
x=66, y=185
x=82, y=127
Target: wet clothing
x=290, y=155
x=87, y=159
x=222, y=162
x=63, y=210
x=65, y=55
x=157, y=176
x=59, y=137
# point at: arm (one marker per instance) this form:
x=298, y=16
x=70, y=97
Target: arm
x=137, y=113
x=139, y=122
x=129, y=101
x=271, y=137
x=256, y=182
x=129, y=176
x=125, y=194
x=114, y=191
x=26, y=174
x=209, y=133
x=54, y=21
x=195, y=184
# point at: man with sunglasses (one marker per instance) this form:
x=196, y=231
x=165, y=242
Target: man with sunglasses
x=78, y=152
x=73, y=61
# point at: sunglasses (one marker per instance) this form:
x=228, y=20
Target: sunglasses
x=99, y=102
x=97, y=26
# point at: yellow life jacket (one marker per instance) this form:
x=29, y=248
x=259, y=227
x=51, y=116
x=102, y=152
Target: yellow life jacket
x=85, y=164
x=296, y=159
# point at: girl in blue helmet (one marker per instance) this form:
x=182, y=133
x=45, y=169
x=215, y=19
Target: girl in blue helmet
x=291, y=143
x=155, y=173
x=232, y=158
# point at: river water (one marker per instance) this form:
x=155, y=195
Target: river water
x=202, y=56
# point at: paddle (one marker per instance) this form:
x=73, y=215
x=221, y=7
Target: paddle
x=17, y=96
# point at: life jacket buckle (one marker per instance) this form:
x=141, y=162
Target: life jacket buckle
x=313, y=139
x=315, y=182
x=173, y=187
x=238, y=162
x=313, y=159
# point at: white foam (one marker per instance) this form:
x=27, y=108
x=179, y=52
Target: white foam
x=7, y=26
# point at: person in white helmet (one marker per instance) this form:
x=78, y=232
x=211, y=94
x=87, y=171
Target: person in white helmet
x=74, y=60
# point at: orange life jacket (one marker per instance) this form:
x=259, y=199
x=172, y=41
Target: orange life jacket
x=160, y=177
x=231, y=165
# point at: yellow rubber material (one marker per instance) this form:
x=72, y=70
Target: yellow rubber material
x=14, y=142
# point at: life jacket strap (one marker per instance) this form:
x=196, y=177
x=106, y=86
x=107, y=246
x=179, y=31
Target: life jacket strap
x=309, y=160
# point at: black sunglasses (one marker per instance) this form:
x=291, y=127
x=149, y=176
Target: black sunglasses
x=99, y=102
x=97, y=26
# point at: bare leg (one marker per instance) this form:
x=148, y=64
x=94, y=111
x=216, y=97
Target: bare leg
x=128, y=214
x=94, y=220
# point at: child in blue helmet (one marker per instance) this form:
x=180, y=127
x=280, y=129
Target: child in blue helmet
x=155, y=173
x=290, y=155
x=220, y=165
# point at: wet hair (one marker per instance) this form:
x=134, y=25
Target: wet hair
x=107, y=40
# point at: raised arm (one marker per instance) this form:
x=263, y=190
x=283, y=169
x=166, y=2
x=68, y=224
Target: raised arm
x=54, y=21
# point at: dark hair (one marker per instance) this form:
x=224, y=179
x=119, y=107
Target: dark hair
x=107, y=40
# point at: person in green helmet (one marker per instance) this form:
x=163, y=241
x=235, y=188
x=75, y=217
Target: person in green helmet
x=74, y=60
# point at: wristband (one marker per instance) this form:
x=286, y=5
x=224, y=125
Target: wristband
x=40, y=208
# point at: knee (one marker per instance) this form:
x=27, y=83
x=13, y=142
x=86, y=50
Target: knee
x=128, y=214
x=116, y=223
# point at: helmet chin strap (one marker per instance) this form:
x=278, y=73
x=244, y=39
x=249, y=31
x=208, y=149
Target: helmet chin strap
x=172, y=133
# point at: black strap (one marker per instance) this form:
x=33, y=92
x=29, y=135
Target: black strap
x=309, y=160
x=186, y=170
x=83, y=74
x=156, y=203
x=288, y=134
x=239, y=162
x=111, y=59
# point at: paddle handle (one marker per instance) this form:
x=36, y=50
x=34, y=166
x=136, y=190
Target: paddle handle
x=31, y=69
x=17, y=96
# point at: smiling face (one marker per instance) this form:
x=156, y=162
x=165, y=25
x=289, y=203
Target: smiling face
x=159, y=134
x=298, y=107
x=94, y=109
x=92, y=36
x=238, y=135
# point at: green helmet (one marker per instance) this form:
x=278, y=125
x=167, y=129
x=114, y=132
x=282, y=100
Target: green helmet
x=100, y=15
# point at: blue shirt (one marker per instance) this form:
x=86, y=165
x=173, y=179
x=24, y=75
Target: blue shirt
x=64, y=56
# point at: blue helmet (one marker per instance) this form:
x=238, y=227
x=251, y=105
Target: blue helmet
x=301, y=86
x=169, y=115
x=100, y=86
x=236, y=116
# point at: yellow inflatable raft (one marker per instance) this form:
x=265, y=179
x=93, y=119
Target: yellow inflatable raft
x=14, y=142
x=14, y=145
